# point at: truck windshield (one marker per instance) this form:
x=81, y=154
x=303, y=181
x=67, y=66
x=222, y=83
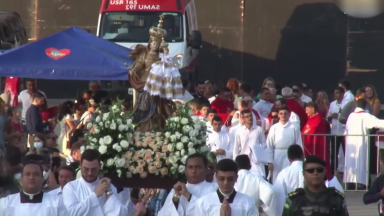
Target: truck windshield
x=134, y=26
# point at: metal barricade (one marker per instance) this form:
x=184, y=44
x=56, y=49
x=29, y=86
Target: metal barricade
x=326, y=146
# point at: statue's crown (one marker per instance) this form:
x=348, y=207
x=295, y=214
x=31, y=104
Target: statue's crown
x=158, y=33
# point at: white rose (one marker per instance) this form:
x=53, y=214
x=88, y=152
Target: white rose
x=121, y=128
x=184, y=159
x=190, y=145
x=119, y=121
x=96, y=130
x=112, y=126
x=181, y=168
x=191, y=151
x=184, y=139
x=178, y=135
x=184, y=121
x=192, y=133
x=115, y=109
x=105, y=116
x=197, y=126
x=108, y=140
x=204, y=149
x=110, y=162
x=101, y=141
x=129, y=122
x=119, y=149
x=102, y=149
x=101, y=124
x=179, y=146
x=94, y=140
x=120, y=162
x=120, y=136
x=176, y=119
x=177, y=154
x=167, y=134
x=114, y=146
x=119, y=173
x=182, y=152
x=82, y=149
x=173, y=159
x=98, y=119
x=124, y=144
x=195, y=119
x=89, y=125
x=170, y=147
x=173, y=138
x=186, y=129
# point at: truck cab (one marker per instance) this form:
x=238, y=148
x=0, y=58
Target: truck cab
x=127, y=23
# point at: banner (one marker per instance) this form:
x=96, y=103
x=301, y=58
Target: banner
x=12, y=88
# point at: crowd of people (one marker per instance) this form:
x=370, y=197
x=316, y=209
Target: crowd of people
x=266, y=146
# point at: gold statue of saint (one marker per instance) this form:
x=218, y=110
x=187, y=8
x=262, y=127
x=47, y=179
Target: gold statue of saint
x=149, y=112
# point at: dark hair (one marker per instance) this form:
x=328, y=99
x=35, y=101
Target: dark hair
x=226, y=165
x=185, y=83
x=135, y=193
x=346, y=84
x=53, y=150
x=225, y=90
x=299, y=85
x=246, y=88
x=70, y=169
x=205, y=105
x=13, y=156
x=46, y=156
x=32, y=163
x=295, y=152
x=30, y=80
x=90, y=155
x=42, y=138
x=284, y=108
x=37, y=95
x=312, y=105
x=243, y=162
x=199, y=83
x=360, y=91
x=12, y=110
x=295, y=91
x=32, y=157
x=195, y=102
x=212, y=111
x=341, y=90
x=361, y=103
x=76, y=146
x=274, y=110
x=244, y=103
x=217, y=119
x=307, y=88
x=89, y=92
x=65, y=109
x=263, y=90
x=246, y=111
x=80, y=101
x=78, y=133
x=197, y=155
x=282, y=101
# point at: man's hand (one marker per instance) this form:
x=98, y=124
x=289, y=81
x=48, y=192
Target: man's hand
x=181, y=189
x=270, y=167
x=225, y=209
x=101, y=188
x=220, y=152
x=140, y=209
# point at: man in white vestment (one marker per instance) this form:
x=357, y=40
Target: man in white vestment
x=226, y=201
x=247, y=136
x=254, y=186
x=219, y=140
x=66, y=174
x=32, y=200
x=293, y=117
x=356, y=161
x=288, y=179
x=91, y=196
x=281, y=135
x=181, y=201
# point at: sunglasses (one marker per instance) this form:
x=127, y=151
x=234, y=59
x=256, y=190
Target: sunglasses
x=312, y=170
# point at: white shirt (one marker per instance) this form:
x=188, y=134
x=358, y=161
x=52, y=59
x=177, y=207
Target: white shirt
x=58, y=191
x=254, y=186
x=305, y=98
x=220, y=140
x=209, y=205
x=337, y=128
x=245, y=138
x=236, y=119
x=348, y=96
x=263, y=108
x=51, y=205
x=26, y=100
x=80, y=200
x=186, y=208
x=295, y=120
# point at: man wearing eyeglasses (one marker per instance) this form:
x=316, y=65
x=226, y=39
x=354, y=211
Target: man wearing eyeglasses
x=315, y=197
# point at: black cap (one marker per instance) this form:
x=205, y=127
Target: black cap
x=313, y=159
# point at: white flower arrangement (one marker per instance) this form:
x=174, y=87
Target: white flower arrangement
x=127, y=153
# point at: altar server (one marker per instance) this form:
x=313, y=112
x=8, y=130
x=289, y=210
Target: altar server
x=181, y=201
x=66, y=174
x=226, y=201
x=32, y=200
x=254, y=186
x=247, y=136
x=281, y=135
x=288, y=179
x=91, y=196
x=219, y=140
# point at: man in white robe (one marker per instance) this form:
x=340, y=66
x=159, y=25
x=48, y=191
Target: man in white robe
x=91, y=196
x=32, y=200
x=293, y=117
x=226, y=201
x=219, y=140
x=254, y=186
x=356, y=161
x=246, y=137
x=281, y=135
x=181, y=201
x=66, y=174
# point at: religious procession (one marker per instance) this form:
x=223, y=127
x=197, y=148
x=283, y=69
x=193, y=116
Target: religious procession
x=173, y=145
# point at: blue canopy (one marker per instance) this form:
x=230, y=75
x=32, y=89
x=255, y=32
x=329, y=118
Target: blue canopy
x=72, y=54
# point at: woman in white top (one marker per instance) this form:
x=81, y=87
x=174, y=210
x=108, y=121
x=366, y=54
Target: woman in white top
x=67, y=126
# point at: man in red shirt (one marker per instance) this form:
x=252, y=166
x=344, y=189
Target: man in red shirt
x=223, y=103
